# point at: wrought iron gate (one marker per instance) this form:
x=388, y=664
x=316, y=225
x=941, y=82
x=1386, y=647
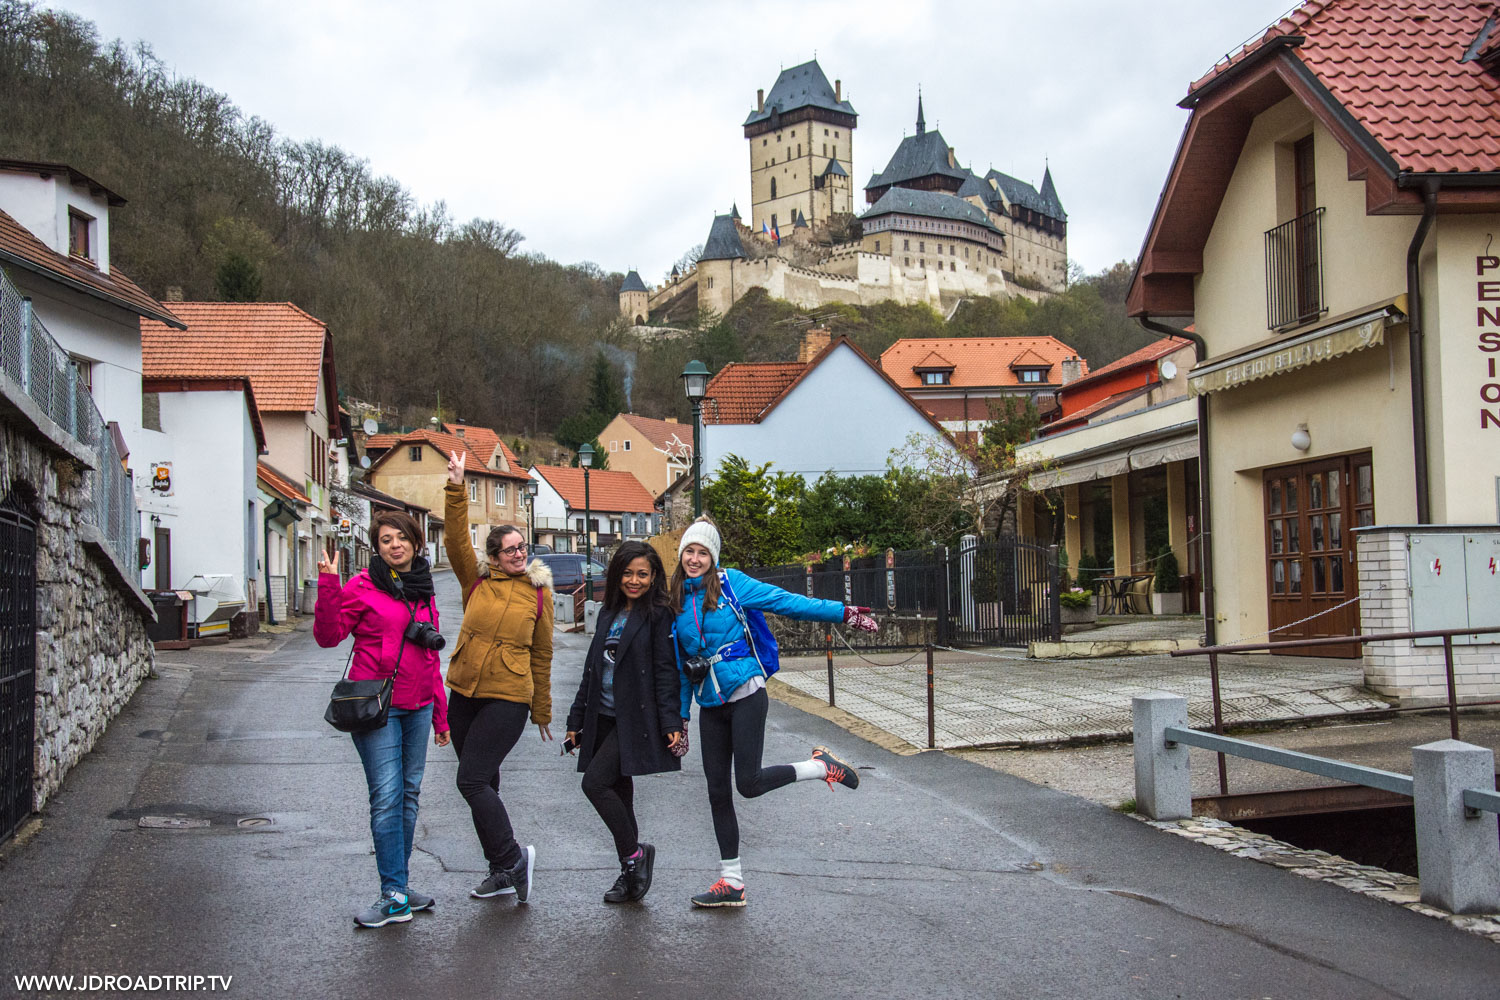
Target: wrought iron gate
x=17, y=664
x=1001, y=592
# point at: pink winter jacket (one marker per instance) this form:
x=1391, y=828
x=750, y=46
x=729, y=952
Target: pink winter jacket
x=378, y=621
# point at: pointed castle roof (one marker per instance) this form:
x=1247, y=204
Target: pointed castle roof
x=803, y=86
x=632, y=283
x=723, y=241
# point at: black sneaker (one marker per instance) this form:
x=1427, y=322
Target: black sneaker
x=838, y=771
x=419, y=902
x=721, y=893
x=635, y=878
x=391, y=908
x=520, y=875
x=496, y=883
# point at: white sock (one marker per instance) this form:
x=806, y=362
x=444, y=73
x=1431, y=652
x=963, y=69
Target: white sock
x=729, y=871
x=810, y=770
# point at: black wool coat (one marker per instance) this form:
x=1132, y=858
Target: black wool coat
x=648, y=696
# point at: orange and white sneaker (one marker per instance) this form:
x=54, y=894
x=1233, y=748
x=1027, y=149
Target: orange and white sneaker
x=838, y=771
x=721, y=893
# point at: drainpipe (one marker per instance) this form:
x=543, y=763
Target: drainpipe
x=1205, y=512
x=1415, y=340
x=273, y=511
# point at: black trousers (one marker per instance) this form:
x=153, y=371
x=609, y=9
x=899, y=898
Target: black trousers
x=612, y=793
x=737, y=732
x=484, y=731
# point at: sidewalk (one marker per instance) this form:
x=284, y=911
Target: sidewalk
x=1001, y=698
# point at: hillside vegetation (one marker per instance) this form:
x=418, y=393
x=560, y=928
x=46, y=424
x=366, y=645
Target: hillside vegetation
x=419, y=303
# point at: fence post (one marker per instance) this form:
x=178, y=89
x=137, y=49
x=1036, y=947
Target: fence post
x=1456, y=852
x=944, y=632
x=828, y=650
x=931, y=712
x=1213, y=677
x=1452, y=687
x=967, y=555
x=26, y=345
x=1163, y=781
x=1054, y=594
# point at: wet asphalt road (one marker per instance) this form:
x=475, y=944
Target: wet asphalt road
x=937, y=877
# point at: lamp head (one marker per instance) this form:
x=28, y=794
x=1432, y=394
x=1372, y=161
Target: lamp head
x=586, y=455
x=695, y=380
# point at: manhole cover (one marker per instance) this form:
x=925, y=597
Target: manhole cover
x=254, y=821
x=171, y=823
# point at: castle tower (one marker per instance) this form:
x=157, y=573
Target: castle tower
x=633, y=299
x=801, y=141
x=722, y=254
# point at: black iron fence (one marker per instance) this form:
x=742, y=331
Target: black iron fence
x=1294, y=270
x=17, y=664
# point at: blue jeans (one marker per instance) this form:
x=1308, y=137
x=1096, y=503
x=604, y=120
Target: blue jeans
x=394, y=758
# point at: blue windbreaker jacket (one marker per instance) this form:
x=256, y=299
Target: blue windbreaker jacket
x=700, y=634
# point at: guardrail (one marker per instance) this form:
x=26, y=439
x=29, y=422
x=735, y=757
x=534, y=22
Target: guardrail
x=42, y=369
x=1452, y=787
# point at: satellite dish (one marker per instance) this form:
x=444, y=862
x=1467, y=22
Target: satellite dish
x=371, y=427
x=1168, y=370
x=364, y=461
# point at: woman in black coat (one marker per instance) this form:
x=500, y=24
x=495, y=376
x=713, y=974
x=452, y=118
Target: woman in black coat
x=625, y=718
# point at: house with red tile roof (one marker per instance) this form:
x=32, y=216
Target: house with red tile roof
x=655, y=451
x=956, y=378
x=55, y=247
x=287, y=356
x=615, y=507
x=414, y=468
x=1327, y=226
x=835, y=412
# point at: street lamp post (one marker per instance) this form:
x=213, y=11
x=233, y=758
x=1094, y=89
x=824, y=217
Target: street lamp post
x=695, y=384
x=531, y=490
x=586, y=459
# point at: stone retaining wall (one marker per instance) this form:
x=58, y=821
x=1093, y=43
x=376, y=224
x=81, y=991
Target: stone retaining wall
x=92, y=650
x=895, y=630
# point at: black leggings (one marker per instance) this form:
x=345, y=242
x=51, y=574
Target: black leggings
x=484, y=731
x=736, y=730
x=612, y=793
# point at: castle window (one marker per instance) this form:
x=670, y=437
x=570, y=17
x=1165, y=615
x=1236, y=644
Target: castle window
x=951, y=266
x=906, y=245
x=921, y=263
x=825, y=149
x=940, y=249
x=773, y=194
x=773, y=214
x=825, y=131
x=794, y=133
x=877, y=246
x=799, y=146
x=906, y=261
x=922, y=246
x=966, y=253
x=835, y=151
x=835, y=134
x=765, y=142
x=950, y=248
x=710, y=282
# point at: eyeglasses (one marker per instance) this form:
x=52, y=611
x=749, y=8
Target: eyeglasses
x=518, y=549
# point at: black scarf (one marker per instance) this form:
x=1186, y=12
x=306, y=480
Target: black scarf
x=413, y=586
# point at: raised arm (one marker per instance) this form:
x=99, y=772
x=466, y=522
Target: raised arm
x=768, y=597
x=456, y=527
x=333, y=617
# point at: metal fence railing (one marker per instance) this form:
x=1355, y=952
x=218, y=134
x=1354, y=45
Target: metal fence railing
x=42, y=369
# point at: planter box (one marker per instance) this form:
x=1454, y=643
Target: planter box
x=1077, y=616
x=1166, y=604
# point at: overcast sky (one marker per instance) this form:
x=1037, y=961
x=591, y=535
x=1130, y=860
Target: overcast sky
x=611, y=132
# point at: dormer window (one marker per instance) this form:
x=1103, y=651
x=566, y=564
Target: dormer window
x=80, y=233
x=1032, y=375
x=935, y=376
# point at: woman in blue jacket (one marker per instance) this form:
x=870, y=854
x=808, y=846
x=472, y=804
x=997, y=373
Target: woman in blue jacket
x=723, y=674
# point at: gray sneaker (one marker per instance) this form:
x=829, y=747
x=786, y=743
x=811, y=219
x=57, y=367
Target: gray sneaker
x=391, y=908
x=496, y=883
x=520, y=875
x=418, y=902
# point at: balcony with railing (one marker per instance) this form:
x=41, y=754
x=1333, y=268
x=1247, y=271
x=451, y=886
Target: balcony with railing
x=1294, y=271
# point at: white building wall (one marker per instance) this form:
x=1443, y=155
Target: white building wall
x=843, y=418
x=41, y=205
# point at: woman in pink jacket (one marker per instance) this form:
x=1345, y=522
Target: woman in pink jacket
x=390, y=611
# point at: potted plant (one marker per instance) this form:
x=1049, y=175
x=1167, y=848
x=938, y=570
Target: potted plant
x=1166, y=597
x=1076, y=607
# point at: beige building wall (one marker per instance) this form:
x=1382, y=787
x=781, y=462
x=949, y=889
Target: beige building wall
x=654, y=469
x=716, y=284
x=422, y=482
x=794, y=157
x=634, y=306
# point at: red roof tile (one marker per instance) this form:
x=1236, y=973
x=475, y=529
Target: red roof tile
x=1151, y=352
x=609, y=491
x=277, y=345
x=380, y=442
x=976, y=361
x=1397, y=66
x=666, y=435
x=474, y=461
x=742, y=391
x=281, y=484
x=20, y=248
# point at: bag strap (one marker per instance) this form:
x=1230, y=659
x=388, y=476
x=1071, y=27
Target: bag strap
x=739, y=612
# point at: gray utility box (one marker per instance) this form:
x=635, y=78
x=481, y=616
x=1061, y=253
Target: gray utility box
x=1455, y=580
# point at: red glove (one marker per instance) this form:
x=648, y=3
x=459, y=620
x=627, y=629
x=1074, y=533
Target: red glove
x=855, y=617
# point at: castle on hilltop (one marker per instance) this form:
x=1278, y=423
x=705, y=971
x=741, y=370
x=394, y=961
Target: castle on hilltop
x=934, y=231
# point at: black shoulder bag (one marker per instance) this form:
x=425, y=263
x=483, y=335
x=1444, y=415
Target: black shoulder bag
x=362, y=706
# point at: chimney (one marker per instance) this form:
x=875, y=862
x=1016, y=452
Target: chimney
x=813, y=341
x=951, y=156
x=838, y=90
x=174, y=293
x=760, y=99
x=1072, y=370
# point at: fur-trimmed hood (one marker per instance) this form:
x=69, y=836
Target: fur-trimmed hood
x=536, y=571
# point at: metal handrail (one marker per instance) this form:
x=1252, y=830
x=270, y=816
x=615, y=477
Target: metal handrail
x=1325, y=767
x=1334, y=640
x=1482, y=800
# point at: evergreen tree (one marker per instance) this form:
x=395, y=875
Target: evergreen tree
x=237, y=279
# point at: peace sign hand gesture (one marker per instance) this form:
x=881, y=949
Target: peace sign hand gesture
x=329, y=564
x=455, y=467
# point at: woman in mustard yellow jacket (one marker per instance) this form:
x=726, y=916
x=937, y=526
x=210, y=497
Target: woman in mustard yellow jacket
x=500, y=671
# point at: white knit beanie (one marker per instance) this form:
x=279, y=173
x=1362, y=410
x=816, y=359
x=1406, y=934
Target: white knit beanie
x=700, y=533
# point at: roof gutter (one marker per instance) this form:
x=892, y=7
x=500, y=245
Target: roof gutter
x=90, y=290
x=1414, y=338
x=1205, y=528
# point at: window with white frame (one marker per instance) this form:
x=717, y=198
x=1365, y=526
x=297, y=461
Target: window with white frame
x=414, y=454
x=473, y=491
x=499, y=494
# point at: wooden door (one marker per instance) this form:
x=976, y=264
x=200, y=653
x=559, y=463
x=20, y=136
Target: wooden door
x=1310, y=571
x=163, y=559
